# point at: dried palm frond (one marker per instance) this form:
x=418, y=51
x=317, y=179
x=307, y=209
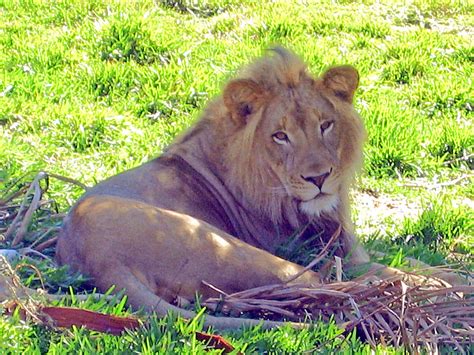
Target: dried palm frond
x=425, y=314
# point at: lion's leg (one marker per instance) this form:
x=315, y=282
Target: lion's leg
x=359, y=264
x=168, y=252
x=422, y=273
x=424, y=270
x=140, y=296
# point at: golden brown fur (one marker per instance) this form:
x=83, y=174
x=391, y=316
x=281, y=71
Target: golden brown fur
x=277, y=151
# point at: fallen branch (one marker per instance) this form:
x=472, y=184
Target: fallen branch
x=19, y=215
x=46, y=244
x=438, y=185
x=25, y=213
x=69, y=180
x=463, y=158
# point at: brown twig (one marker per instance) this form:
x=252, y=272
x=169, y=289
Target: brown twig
x=319, y=257
x=46, y=244
x=13, y=195
x=26, y=251
x=463, y=158
x=38, y=192
x=214, y=288
x=436, y=186
x=16, y=291
x=43, y=236
x=70, y=180
x=32, y=267
x=34, y=187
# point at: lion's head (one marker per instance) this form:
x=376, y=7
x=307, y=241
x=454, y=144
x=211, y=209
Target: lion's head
x=292, y=142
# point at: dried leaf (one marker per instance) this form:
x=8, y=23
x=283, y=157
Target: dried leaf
x=66, y=317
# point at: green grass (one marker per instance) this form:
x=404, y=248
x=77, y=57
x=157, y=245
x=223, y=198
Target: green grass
x=89, y=89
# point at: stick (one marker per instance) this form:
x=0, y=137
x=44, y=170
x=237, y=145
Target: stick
x=46, y=244
x=22, y=208
x=72, y=181
x=35, y=185
x=441, y=184
x=318, y=258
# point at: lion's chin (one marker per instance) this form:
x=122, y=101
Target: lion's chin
x=322, y=203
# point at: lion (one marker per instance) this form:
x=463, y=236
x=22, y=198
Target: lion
x=278, y=150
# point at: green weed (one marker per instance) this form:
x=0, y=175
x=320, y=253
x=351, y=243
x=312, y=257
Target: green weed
x=440, y=227
x=127, y=39
x=201, y=8
x=456, y=146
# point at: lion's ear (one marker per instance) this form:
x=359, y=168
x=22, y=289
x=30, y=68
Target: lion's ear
x=243, y=97
x=342, y=81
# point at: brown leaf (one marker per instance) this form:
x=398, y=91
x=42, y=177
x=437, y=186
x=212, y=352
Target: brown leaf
x=67, y=317
x=215, y=341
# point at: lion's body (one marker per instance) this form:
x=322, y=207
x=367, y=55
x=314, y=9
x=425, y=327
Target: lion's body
x=278, y=150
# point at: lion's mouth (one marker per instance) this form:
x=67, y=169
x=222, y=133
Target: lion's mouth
x=321, y=203
x=318, y=196
x=321, y=195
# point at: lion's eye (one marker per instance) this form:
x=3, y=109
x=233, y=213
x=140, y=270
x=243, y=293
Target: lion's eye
x=280, y=137
x=326, y=126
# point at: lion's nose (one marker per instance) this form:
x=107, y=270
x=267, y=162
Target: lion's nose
x=317, y=180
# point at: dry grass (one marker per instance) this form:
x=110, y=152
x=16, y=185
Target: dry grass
x=23, y=205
